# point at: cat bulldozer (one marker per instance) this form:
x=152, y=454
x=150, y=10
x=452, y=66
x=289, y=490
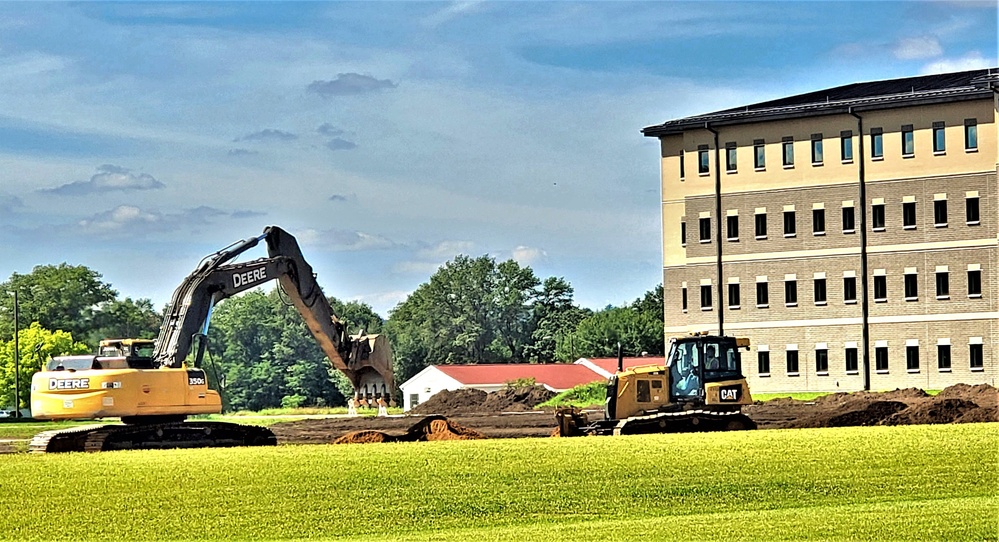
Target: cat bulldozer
x=701, y=388
x=153, y=386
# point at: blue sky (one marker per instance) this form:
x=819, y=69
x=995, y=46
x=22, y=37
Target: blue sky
x=136, y=138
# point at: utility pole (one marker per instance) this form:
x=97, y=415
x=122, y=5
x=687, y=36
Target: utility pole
x=17, y=364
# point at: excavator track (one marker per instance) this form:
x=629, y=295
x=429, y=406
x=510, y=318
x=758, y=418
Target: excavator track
x=156, y=436
x=683, y=422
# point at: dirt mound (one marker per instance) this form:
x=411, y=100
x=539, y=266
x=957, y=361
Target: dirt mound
x=983, y=394
x=430, y=428
x=472, y=401
x=450, y=403
x=872, y=414
x=520, y=399
x=937, y=410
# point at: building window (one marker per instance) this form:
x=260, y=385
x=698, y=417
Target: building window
x=704, y=227
x=943, y=357
x=792, y=363
x=821, y=361
x=790, y=228
x=683, y=299
x=878, y=217
x=683, y=234
x=976, y=357
x=851, y=361
x=732, y=227
x=881, y=359
x=759, y=154
x=972, y=211
x=816, y=149
x=849, y=290
x=820, y=291
x=939, y=138
x=911, y=287
x=730, y=159
x=761, y=225
x=702, y=160
x=846, y=146
x=975, y=283
x=970, y=135
x=763, y=362
x=908, y=143
x=877, y=144
x=943, y=285
x=880, y=288
x=681, y=166
x=818, y=221
x=912, y=358
x=733, y=295
x=787, y=152
x=414, y=400
x=849, y=220
x=909, y=215
x=762, y=295
x=940, y=213
x=791, y=292
x=705, y=297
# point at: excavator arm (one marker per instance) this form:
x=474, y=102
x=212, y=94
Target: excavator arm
x=366, y=360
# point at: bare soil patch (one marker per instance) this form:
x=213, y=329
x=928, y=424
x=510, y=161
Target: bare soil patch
x=497, y=415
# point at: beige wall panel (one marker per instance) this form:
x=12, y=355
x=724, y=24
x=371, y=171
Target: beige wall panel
x=924, y=162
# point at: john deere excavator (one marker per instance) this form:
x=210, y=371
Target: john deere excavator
x=153, y=386
x=701, y=388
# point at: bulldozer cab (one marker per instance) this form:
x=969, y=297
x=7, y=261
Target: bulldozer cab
x=701, y=359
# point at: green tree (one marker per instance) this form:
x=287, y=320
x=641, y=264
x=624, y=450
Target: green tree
x=472, y=310
x=124, y=319
x=59, y=297
x=556, y=317
x=599, y=334
x=35, y=346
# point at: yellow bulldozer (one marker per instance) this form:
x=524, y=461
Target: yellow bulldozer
x=700, y=388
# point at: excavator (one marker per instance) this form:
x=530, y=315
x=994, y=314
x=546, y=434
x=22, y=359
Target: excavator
x=701, y=388
x=153, y=386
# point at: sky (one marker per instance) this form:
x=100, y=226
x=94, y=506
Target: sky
x=137, y=138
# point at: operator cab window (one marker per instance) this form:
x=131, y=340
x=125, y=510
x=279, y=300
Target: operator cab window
x=685, y=370
x=644, y=391
x=723, y=362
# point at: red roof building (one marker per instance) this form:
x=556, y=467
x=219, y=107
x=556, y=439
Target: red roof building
x=556, y=377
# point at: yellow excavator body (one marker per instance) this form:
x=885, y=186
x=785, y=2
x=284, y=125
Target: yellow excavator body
x=121, y=392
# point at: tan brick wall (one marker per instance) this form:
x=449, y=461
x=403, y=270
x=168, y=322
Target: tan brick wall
x=893, y=178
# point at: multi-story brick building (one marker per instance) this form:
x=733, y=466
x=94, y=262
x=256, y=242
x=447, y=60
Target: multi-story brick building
x=850, y=233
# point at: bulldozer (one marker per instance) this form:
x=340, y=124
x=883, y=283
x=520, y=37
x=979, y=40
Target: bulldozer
x=153, y=386
x=700, y=388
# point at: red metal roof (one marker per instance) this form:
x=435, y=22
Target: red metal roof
x=610, y=364
x=557, y=376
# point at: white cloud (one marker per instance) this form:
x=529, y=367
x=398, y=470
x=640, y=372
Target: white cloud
x=416, y=268
x=117, y=219
x=109, y=178
x=528, y=255
x=382, y=299
x=334, y=239
x=971, y=61
x=917, y=48
x=445, y=250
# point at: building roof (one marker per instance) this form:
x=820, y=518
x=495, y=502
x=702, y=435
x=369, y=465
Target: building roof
x=609, y=365
x=556, y=376
x=855, y=97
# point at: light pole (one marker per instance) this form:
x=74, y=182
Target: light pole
x=17, y=364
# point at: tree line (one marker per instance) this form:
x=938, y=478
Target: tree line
x=261, y=354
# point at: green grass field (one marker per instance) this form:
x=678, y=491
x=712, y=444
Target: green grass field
x=874, y=483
